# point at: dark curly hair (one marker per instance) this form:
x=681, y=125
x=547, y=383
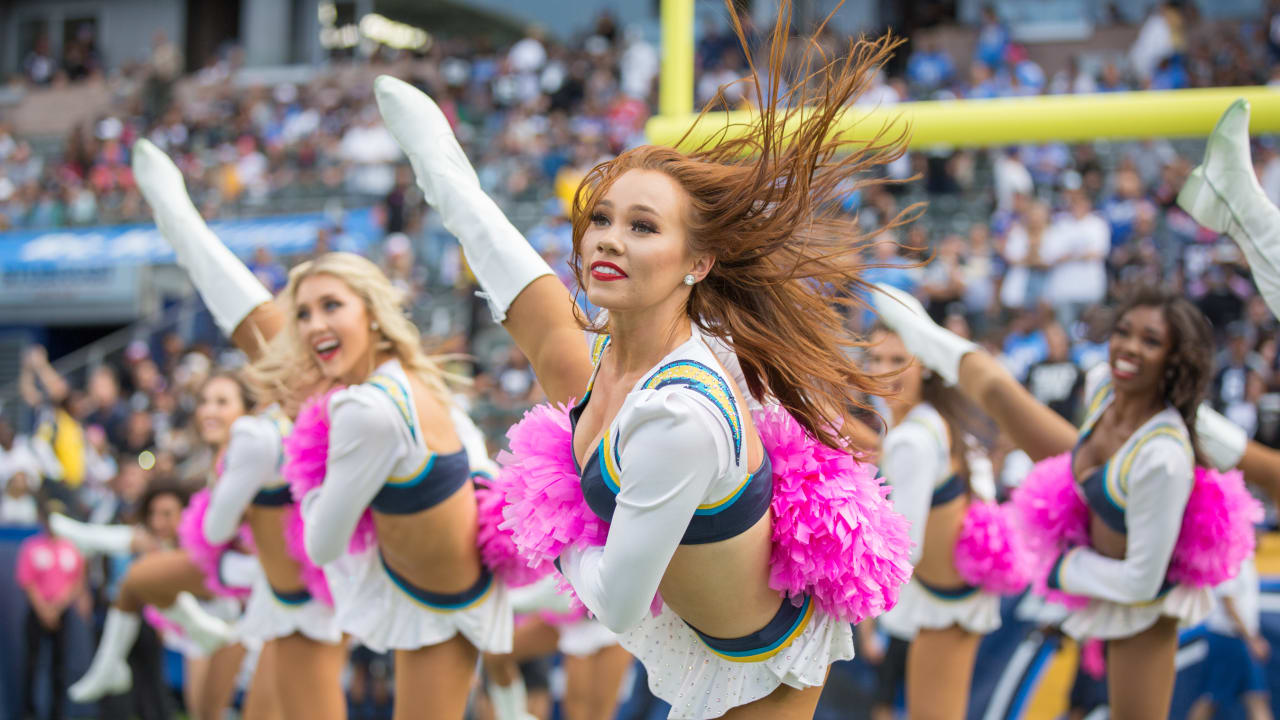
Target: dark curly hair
x=1189, y=365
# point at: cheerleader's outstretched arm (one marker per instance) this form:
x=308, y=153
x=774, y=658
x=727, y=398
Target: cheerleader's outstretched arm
x=240, y=305
x=1033, y=426
x=522, y=291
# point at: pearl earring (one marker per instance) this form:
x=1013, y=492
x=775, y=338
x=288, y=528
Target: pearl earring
x=374, y=326
x=690, y=279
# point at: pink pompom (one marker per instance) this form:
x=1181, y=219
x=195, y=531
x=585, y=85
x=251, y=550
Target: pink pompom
x=202, y=553
x=162, y=624
x=312, y=576
x=1093, y=659
x=1051, y=518
x=306, y=457
x=836, y=537
x=498, y=551
x=989, y=553
x=543, y=508
x=1217, y=529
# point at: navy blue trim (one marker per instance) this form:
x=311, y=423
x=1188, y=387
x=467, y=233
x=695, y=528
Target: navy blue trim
x=1054, y=582
x=777, y=629
x=297, y=597
x=277, y=496
x=439, y=479
x=956, y=593
x=954, y=487
x=441, y=601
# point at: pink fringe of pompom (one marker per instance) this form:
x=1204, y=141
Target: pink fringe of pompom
x=836, y=537
x=162, y=624
x=542, y=504
x=312, y=576
x=545, y=511
x=989, y=553
x=498, y=550
x=1051, y=518
x=203, y=554
x=1093, y=658
x=306, y=456
x=1217, y=529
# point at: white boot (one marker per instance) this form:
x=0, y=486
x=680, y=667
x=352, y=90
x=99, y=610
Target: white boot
x=227, y=287
x=499, y=256
x=1221, y=441
x=1223, y=195
x=93, y=538
x=510, y=702
x=204, y=629
x=109, y=672
x=937, y=348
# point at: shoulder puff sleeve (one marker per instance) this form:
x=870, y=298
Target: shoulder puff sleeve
x=1159, y=485
x=673, y=445
x=252, y=462
x=366, y=441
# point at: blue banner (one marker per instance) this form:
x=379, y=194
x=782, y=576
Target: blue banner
x=143, y=245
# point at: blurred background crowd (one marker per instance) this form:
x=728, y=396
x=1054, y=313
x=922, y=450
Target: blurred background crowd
x=1025, y=245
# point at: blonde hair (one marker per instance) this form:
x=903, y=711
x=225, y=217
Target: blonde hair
x=288, y=373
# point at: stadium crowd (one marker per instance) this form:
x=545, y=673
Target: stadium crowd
x=1024, y=244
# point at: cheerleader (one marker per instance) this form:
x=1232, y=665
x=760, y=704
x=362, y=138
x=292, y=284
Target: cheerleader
x=678, y=248
x=170, y=580
x=1133, y=463
x=935, y=478
x=389, y=509
x=289, y=607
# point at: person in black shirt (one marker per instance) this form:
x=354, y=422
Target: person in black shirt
x=1056, y=381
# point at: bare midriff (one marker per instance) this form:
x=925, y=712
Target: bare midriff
x=434, y=549
x=282, y=571
x=937, y=565
x=722, y=588
x=1104, y=540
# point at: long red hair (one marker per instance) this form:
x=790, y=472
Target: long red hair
x=767, y=205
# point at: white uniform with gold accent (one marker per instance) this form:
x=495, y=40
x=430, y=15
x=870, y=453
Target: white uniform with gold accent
x=373, y=444
x=1148, y=481
x=674, y=455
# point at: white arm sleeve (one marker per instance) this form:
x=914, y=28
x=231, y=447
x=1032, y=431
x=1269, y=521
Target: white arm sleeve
x=252, y=461
x=364, y=446
x=672, y=447
x=1159, y=486
x=910, y=463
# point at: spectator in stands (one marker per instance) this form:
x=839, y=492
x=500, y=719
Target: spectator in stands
x=1075, y=248
x=270, y=273
x=52, y=574
x=38, y=66
x=930, y=66
x=21, y=481
x=1024, y=253
x=1056, y=381
x=1238, y=379
x=993, y=39
x=943, y=279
